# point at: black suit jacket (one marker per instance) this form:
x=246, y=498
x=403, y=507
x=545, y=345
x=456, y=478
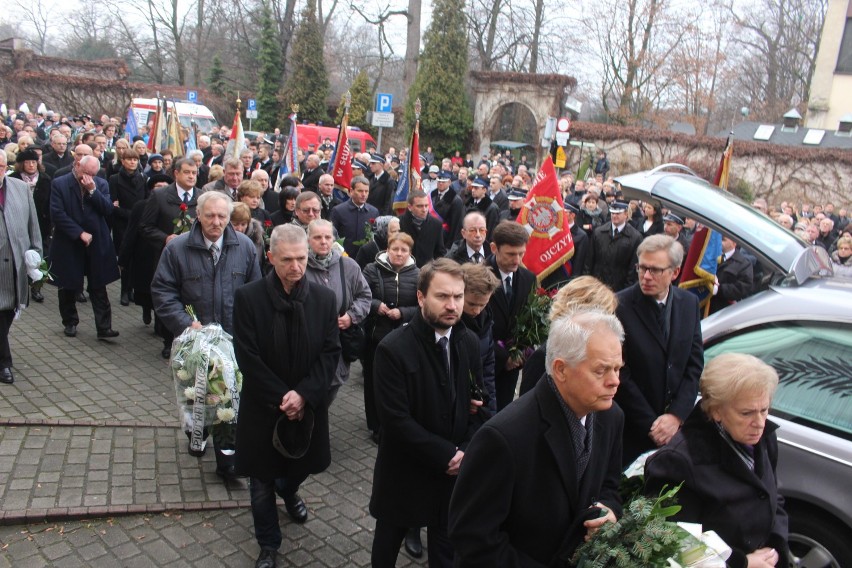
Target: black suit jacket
x=736, y=278
x=424, y=419
x=658, y=377
x=505, y=313
x=382, y=191
x=428, y=238
x=311, y=180
x=161, y=209
x=517, y=501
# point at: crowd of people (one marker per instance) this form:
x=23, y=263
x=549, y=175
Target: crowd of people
x=307, y=280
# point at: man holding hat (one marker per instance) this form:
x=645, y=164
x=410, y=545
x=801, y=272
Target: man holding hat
x=382, y=187
x=614, y=245
x=287, y=347
x=449, y=207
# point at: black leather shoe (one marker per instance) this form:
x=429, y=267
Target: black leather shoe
x=228, y=473
x=70, y=330
x=413, y=546
x=125, y=299
x=296, y=508
x=166, y=352
x=266, y=558
x=81, y=298
x=37, y=296
x=146, y=315
x=6, y=376
x=107, y=334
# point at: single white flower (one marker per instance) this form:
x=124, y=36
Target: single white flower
x=189, y=393
x=225, y=414
x=183, y=375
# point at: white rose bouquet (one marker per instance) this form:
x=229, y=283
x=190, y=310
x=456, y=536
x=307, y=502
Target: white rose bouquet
x=207, y=384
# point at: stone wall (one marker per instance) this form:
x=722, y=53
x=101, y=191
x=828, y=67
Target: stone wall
x=775, y=173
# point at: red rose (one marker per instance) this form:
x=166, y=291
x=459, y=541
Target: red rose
x=372, y=221
x=267, y=223
x=183, y=207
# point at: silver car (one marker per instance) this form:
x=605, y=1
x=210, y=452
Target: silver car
x=800, y=322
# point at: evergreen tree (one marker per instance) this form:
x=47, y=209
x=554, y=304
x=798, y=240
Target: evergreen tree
x=446, y=119
x=307, y=86
x=269, y=65
x=361, y=99
x=216, y=77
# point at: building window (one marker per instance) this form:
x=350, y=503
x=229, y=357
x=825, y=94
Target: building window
x=844, y=59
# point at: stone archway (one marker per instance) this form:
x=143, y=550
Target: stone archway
x=494, y=92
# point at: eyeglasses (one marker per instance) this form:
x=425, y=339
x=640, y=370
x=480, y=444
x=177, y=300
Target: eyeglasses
x=654, y=270
x=315, y=211
x=481, y=230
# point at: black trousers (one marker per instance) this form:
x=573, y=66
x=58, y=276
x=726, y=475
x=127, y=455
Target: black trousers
x=6, y=318
x=388, y=538
x=100, y=306
x=505, y=383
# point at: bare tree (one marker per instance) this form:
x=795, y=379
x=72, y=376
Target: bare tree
x=412, y=45
x=385, y=49
x=37, y=16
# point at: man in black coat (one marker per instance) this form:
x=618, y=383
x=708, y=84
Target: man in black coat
x=157, y=225
x=79, y=207
x=423, y=228
x=612, y=258
x=382, y=187
x=326, y=193
x=422, y=377
x=449, y=207
x=663, y=349
x=479, y=201
x=351, y=218
x=287, y=347
x=473, y=246
x=58, y=157
x=734, y=277
x=312, y=173
x=508, y=248
x=536, y=476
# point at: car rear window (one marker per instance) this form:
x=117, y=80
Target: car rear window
x=814, y=366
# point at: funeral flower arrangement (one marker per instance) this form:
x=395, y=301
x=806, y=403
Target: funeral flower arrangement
x=532, y=324
x=207, y=384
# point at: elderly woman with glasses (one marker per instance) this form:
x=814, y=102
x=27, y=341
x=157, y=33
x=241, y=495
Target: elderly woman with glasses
x=725, y=456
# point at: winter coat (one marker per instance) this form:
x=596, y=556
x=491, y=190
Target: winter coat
x=841, y=267
x=73, y=214
x=395, y=290
x=186, y=276
x=19, y=232
x=127, y=189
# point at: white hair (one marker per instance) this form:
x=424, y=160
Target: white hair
x=569, y=335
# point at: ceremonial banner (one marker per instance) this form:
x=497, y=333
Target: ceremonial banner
x=699, y=269
x=237, y=141
x=158, y=121
x=131, y=130
x=342, y=161
x=174, y=141
x=410, y=179
x=543, y=217
x=291, y=156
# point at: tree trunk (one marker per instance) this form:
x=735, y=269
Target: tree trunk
x=412, y=45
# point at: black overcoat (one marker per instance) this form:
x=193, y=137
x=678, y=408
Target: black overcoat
x=736, y=280
x=658, y=377
x=72, y=214
x=424, y=419
x=612, y=260
x=744, y=507
x=428, y=238
x=505, y=313
x=263, y=387
x=518, y=501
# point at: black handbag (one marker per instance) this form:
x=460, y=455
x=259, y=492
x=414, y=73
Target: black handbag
x=353, y=339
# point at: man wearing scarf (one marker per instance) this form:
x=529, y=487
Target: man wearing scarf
x=288, y=361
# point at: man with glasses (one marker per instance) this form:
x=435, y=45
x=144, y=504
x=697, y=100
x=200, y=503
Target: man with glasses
x=307, y=209
x=471, y=247
x=663, y=353
x=613, y=251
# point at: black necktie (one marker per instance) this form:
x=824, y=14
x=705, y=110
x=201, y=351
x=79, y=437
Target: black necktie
x=661, y=319
x=186, y=197
x=508, y=289
x=477, y=258
x=445, y=354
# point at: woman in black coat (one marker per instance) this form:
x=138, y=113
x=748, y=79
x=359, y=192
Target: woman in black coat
x=652, y=222
x=725, y=455
x=126, y=189
x=393, y=282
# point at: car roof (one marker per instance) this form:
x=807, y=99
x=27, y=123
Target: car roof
x=824, y=299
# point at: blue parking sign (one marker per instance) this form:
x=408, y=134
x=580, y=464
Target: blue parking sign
x=192, y=96
x=384, y=102
x=251, y=104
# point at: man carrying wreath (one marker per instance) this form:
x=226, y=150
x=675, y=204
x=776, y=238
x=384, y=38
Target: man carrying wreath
x=203, y=269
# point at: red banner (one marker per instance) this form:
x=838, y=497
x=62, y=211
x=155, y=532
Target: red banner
x=342, y=171
x=543, y=216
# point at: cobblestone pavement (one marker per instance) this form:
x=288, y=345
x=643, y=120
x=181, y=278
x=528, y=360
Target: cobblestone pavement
x=94, y=469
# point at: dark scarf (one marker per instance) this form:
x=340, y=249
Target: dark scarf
x=289, y=328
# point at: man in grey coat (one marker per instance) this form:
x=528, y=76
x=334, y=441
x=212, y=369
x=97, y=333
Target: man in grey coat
x=351, y=290
x=19, y=233
x=203, y=268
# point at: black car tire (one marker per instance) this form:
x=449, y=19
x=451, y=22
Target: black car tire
x=811, y=529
